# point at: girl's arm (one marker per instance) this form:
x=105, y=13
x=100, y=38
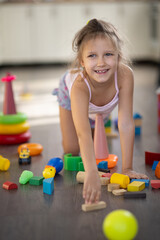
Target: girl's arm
x=79, y=107
x=125, y=120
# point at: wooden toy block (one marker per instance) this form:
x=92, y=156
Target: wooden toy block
x=107, y=175
x=94, y=206
x=81, y=175
x=155, y=184
x=136, y=186
x=48, y=185
x=146, y=181
x=113, y=186
x=119, y=192
x=138, y=122
x=9, y=185
x=36, y=180
x=154, y=165
x=134, y=195
x=150, y=157
x=103, y=165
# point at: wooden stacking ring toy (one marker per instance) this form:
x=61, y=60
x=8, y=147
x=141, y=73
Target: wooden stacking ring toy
x=12, y=118
x=14, y=128
x=15, y=138
x=34, y=148
x=112, y=160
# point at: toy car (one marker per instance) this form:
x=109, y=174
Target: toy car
x=24, y=156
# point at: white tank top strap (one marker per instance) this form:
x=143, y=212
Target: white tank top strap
x=87, y=85
x=116, y=82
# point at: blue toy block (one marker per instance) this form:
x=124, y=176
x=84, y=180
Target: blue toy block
x=48, y=185
x=142, y=180
x=103, y=164
x=154, y=165
x=137, y=130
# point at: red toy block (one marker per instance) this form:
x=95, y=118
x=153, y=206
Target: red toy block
x=150, y=157
x=107, y=175
x=155, y=184
x=10, y=185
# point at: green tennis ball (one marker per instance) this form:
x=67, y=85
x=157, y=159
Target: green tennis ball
x=120, y=225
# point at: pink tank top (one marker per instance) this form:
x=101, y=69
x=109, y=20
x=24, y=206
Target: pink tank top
x=93, y=109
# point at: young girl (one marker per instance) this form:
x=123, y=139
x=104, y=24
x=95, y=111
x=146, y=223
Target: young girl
x=100, y=82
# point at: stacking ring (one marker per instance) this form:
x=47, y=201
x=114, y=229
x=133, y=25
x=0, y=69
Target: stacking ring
x=14, y=128
x=34, y=148
x=15, y=139
x=12, y=118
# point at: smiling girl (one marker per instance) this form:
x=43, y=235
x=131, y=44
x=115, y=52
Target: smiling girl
x=100, y=81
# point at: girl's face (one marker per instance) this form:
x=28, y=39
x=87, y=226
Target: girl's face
x=100, y=59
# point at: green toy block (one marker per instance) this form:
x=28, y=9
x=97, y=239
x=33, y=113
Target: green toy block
x=25, y=177
x=71, y=163
x=108, y=124
x=36, y=180
x=81, y=167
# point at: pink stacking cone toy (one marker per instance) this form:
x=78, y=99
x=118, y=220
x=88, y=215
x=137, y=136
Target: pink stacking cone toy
x=100, y=140
x=100, y=144
x=9, y=104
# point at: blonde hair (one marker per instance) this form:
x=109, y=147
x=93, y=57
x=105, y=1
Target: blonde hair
x=93, y=29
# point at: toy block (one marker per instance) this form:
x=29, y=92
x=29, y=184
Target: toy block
x=93, y=206
x=157, y=171
x=113, y=186
x=9, y=185
x=80, y=166
x=134, y=195
x=119, y=192
x=137, y=131
x=154, y=165
x=121, y=179
x=103, y=165
x=150, y=157
x=104, y=170
x=108, y=123
x=25, y=177
x=81, y=175
x=146, y=181
x=71, y=163
x=136, y=186
x=108, y=130
x=107, y=175
x=36, y=180
x=155, y=184
x=48, y=185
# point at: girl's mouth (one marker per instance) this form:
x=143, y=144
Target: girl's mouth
x=101, y=71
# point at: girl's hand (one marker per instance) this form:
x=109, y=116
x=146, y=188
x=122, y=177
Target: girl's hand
x=133, y=174
x=92, y=187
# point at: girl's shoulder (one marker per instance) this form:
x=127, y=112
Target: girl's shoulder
x=125, y=75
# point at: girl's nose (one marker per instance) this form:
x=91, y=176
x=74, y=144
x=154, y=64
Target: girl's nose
x=100, y=61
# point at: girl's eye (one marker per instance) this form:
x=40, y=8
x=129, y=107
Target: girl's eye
x=92, y=55
x=109, y=54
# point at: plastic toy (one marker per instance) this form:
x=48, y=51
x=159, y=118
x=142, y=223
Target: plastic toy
x=155, y=165
x=138, y=123
x=48, y=186
x=134, y=195
x=54, y=166
x=146, y=181
x=15, y=138
x=14, y=128
x=136, y=186
x=157, y=171
x=100, y=144
x=34, y=148
x=121, y=179
x=150, y=157
x=108, y=129
x=155, y=184
x=4, y=163
x=24, y=156
x=120, y=225
x=10, y=185
x=11, y=122
x=103, y=165
x=25, y=177
x=72, y=163
x=94, y=206
x=158, y=101
x=12, y=118
x=35, y=180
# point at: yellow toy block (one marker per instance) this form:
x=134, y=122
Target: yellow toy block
x=136, y=186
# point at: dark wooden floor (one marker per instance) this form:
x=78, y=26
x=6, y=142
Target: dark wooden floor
x=27, y=213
